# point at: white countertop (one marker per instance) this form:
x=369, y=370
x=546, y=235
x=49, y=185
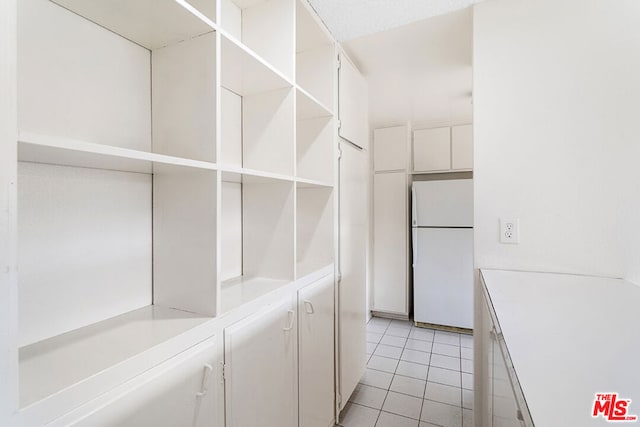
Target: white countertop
x=569, y=337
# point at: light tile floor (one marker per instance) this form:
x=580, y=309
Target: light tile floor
x=415, y=377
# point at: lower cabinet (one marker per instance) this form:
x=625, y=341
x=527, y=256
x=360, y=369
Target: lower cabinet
x=179, y=392
x=316, y=354
x=261, y=368
x=277, y=370
x=503, y=409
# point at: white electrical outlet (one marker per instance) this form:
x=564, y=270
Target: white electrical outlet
x=509, y=230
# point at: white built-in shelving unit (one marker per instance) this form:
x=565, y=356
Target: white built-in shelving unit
x=176, y=160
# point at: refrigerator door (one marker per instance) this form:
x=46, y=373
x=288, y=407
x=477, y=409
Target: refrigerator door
x=446, y=203
x=443, y=277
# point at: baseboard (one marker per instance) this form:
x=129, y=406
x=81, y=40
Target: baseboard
x=444, y=328
x=386, y=315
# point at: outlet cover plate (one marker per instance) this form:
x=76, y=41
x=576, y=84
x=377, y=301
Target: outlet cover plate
x=509, y=230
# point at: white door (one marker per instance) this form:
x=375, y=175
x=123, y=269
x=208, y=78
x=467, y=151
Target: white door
x=352, y=296
x=261, y=368
x=390, y=228
x=443, y=277
x=180, y=392
x=316, y=351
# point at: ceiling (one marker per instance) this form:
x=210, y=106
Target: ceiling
x=418, y=72
x=348, y=19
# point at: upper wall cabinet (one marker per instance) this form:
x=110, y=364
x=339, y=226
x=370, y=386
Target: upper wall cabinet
x=353, y=116
x=390, y=148
x=444, y=149
x=432, y=150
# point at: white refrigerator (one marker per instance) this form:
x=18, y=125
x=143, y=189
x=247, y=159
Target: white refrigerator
x=442, y=232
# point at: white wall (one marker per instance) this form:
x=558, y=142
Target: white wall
x=8, y=272
x=557, y=135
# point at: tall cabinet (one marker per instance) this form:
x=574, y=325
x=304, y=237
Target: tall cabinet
x=391, y=238
x=175, y=175
x=400, y=157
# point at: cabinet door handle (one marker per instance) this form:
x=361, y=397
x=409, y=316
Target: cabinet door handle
x=292, y=316
x=205, y=381
x=308, y=307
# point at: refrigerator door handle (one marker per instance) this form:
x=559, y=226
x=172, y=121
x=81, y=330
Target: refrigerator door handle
x=414, y=207
x=414, y=246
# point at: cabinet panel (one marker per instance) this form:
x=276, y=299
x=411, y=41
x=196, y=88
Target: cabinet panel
x=180, y=392
x=390, y=148
x=432, y=149
x=462, y=147
x=390, y=243
x=354, y=228
x=502, y=409
x=316, y=368
x=261, y=368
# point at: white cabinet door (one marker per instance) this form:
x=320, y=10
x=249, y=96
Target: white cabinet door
x=501, y=408
x=352, y=293
x=261, y=382
x=316, y=351
x=432, y=150
x=353, y=104
x=180, y=392
x=462, y=147
x=390, y=228
x=390, y=146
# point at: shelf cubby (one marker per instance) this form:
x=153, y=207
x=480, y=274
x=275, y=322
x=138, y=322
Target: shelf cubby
x=257, y=114
x=82, y=82
x=257, y=241
x=51, y=365
x=315, y=136
x=314, y=227
x=315, y=56
x=117, y=188
x=96, y=237
x=266, y=27
x=150, y=23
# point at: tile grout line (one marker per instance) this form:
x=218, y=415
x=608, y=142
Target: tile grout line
x=424, y=393
x=428, y=365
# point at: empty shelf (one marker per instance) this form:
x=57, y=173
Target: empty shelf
x=238, y=291
x=56, y=363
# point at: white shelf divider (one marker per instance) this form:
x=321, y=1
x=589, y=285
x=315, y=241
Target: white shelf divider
x=49, y=149
x=309, y=107
x=237, y=174
x=313, y=183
